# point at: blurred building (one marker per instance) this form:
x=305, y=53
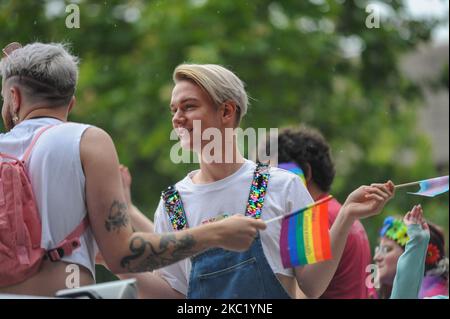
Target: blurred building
x=426, y=67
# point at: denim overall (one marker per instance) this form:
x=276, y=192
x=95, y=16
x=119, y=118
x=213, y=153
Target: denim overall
x=223, y=274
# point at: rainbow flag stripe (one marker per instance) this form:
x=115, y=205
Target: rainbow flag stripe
x=433, y=186
x=305, y=237
x=293, y=168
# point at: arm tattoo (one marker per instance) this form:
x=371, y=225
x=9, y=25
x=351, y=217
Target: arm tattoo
x=117, y=217
x=145, y=257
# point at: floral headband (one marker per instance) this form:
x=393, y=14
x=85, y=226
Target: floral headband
x=396, y=230
x=433, y=254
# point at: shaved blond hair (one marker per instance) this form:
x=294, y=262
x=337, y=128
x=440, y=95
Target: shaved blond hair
x=220, y=83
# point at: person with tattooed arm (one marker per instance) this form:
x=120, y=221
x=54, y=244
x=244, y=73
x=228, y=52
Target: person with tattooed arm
x=75, y=178
x=209, y=98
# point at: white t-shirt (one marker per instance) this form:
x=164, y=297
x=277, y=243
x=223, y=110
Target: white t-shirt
x=285, y=193
x=57, y=180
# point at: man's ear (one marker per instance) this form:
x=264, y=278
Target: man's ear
x=72, y=103
x=229, y=111
x=16, y=99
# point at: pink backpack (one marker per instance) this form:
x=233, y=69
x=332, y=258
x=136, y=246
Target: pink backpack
x=20, y=226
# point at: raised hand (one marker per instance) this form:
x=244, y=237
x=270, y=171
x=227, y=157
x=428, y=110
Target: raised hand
x=238, y=232
x=368, y=201
x=415, y=216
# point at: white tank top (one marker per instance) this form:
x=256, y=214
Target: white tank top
x=58, y=182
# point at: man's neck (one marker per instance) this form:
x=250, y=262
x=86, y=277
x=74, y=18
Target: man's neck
x=57, y=113
x=315, y=192
x=213, y=172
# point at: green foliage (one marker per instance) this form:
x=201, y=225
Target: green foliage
x=289, y=53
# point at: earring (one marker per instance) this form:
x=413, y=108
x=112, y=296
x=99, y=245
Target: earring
x=15, y=118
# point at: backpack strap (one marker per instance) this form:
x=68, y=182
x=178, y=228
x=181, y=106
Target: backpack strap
x=8, y=157
x=72, y=241
x=68, y=244
x=27, y=154
x=174, y=208
x=258, y=191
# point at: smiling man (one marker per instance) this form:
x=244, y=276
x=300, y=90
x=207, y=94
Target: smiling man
x=215, y=97
x=78, y=198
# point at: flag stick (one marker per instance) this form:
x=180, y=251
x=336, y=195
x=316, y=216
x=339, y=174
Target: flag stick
x=407, y=184
x=320, y=201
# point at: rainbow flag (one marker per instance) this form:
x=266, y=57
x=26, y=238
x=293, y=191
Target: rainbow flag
x=304, y=237
x=293, y=168
x=433, y=186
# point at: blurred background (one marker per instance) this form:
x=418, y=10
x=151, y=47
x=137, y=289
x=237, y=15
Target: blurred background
x=371, y=75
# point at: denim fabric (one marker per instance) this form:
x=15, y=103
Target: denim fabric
x=223, y=274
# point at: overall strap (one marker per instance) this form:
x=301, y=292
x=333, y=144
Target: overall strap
x=174, y=208
x=258, y=191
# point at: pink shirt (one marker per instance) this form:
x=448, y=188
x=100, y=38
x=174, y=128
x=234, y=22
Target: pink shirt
x=349, y=281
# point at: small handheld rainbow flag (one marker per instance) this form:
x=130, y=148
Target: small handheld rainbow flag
x=304, y=237
x=429, y=187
